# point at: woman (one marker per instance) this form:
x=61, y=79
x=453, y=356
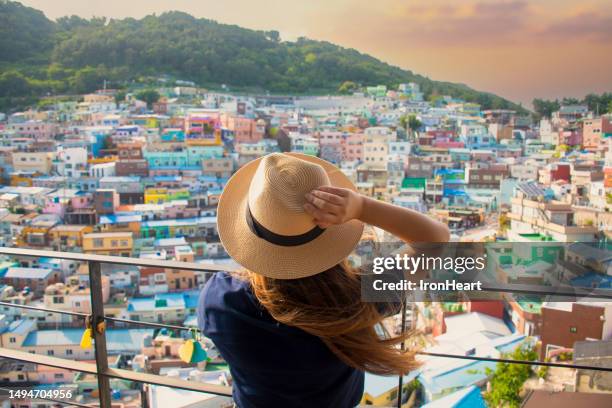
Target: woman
x=292, y=326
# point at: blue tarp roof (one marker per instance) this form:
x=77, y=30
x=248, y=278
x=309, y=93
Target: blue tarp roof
x=21, y=327
x=117, y=340
x=119, y=218
x=183, y=300
x=593, y=280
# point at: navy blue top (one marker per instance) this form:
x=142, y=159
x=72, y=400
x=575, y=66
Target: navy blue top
x=272, y=364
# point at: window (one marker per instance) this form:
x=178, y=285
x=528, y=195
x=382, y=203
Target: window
x=50, y=352
x=58, y=376
x=98, y=242
x=573, y=329
x=68, y=352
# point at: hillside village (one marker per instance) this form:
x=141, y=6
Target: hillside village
x=106, y=173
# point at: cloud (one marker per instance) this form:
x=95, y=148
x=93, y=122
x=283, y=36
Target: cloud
x=471, y=23
x=435, y=23
x=474, y=24
x=590, y=26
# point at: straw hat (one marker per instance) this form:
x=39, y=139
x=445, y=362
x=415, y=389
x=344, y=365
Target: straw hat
x=262, y=223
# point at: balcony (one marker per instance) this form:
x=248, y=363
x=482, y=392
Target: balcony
x=103, y=373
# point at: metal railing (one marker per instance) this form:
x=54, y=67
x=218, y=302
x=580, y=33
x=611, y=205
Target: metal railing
x=104, y=373
x=101, y=369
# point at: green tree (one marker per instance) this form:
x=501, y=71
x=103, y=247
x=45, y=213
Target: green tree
x=88, y=79
x=570, y=101
x=26, y=35
x=414, y=123
x=13, y=83
x=545, y=108
x=508, y=379
x=150, y=96
x=120, y=97
x=82, y=53
x=348, y=87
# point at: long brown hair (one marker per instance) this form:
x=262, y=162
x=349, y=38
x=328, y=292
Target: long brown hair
x=328, y=305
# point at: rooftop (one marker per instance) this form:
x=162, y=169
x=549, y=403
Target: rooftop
x=27, y=273
x=117, y=340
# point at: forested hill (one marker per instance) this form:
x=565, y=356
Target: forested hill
x=74, y=55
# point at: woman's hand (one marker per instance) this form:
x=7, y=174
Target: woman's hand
x=333, y=205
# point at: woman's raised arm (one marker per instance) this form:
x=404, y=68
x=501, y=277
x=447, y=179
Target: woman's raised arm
x=334, y=205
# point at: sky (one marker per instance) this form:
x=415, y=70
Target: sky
x=515, y=48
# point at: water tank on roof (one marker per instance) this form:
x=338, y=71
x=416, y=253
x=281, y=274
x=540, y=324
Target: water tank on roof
x=147, y=340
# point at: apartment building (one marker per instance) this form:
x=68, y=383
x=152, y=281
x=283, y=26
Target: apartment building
x=565, y=323
x=108, y=243
x=535, y=215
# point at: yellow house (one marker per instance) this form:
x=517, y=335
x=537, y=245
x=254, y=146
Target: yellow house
x=33, y=236
x=109, y=243
x=64, y=237
x=152, y=122
x=21, y=180
x=155, y=195
x=36, y=162
x=127, y=226
x=101, y=160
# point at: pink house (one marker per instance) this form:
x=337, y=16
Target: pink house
x=483, y=155
x=55, y=206
x=81, y=201
x=163, y=347
x=353, y=147
x=330, y=138
x=448, y=144
x=570, y=137
x=594, y=131
x=179, y=211
x=441, y=134
x=35, y=129
x=245, y=130
x=52, y=375
x=507, y=153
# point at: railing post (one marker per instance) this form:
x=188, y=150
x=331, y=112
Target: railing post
x=403, y=347
x=97, y=313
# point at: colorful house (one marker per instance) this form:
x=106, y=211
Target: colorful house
x=109, y=243
x=202, y=129
x=189, y=227
x=164, y=307
x=68, y=237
